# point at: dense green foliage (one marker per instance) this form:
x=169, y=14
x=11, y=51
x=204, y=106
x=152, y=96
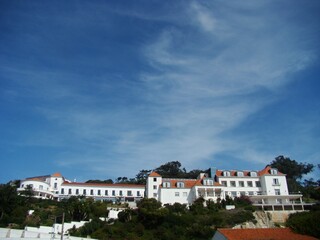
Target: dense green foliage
x=14, y=209
x=306, y=222
x=152, y=221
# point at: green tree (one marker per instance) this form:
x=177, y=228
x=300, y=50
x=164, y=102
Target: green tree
x=170, y=169
x=79, y=208
x=294, y=171
x=141, y=177
x=305, y=223
x=150, y=212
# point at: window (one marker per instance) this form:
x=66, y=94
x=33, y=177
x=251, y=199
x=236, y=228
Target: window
x=274, y=171
x=62, y=190
x=176, y=194
x=166, y=184
x=155, y=179
x=242, y=193
x=224, y=183
x=138, y=193
x=241, y=183
x=258, y=184
x=249, y=183
x=55, y=185
x=40, y=187
x=226, y=174
x=233, y=194
x=106, y=192
x=232, y=183
x=275, y=182
x=240, y=174
x=253, y=174
x=185, y=194
x=91, y=192
x=69, y=192
x=277, y=191
x=129, y=193
x=180, y=184
x=77, y=191
x=208, y=182
x=99, y=192
x=84, y=191
x=120, y=193
x=250, y=193
x=113, y=192
x=154, y=195
x=155, y=187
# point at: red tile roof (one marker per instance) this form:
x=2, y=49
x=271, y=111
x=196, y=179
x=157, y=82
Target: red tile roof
x=56, y=175
x=188, y=183
x=154, y=174
x=103, y=185
x=266, y=171
x=262, y=234
x=233, y=173
x=246, y=173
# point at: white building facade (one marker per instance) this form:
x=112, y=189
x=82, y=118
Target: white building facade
x=267, y=187
x=55, y=186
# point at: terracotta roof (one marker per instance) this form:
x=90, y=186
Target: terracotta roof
x=36, y=179
x=188, y=183
x=154, y=174
x=103, y=185
x=233, y=173
x=56, y=175
x=39, y=178
x=266, y=171
x=246, y=173
x=262, y=234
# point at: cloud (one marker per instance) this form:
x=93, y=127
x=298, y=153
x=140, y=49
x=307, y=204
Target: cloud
x=203, y=16
x=209, y=68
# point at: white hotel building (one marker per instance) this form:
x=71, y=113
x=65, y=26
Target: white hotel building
x=266, y=188
x=55, y=186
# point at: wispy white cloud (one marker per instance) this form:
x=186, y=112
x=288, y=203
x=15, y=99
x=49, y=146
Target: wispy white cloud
x=210, y=68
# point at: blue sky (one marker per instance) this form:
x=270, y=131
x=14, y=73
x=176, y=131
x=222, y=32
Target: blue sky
x=102, y=89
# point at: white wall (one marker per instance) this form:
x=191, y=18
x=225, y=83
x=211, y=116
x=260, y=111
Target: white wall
x=95, y=189
x=237, y=189
x=150, y=187
x=270, y=186
x=168, y=195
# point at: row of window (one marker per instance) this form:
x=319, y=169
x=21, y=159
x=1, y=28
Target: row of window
x=168, y=185
x=176, y=194
x=273, y=171
x=99, y=192
x=250, y=193
x=31, y=185
x=239, y=174
x=241, y=183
